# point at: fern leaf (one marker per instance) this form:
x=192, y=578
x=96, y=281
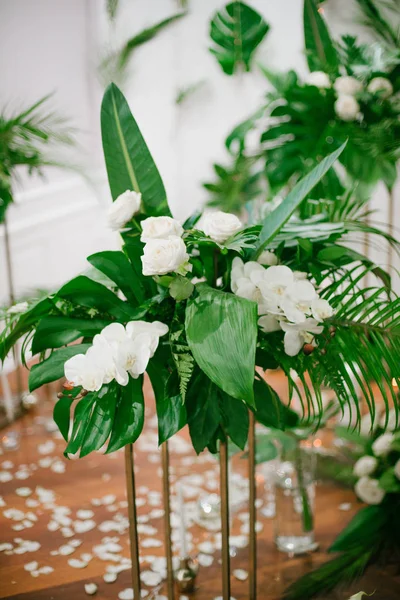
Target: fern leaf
x=181, y=354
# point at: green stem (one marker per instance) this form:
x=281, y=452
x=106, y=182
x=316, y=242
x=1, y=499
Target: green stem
x=307, y=514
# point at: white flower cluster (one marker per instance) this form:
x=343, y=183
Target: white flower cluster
x=347, y=107
x=286, y=301
x=165, y=250
x=367, y=487
x=116, y=353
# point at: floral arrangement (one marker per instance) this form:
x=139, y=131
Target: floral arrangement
x=372, y=536
x=351, y=92
x=203, y=307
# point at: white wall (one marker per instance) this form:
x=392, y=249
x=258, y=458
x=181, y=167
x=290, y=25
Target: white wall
x=48, y=45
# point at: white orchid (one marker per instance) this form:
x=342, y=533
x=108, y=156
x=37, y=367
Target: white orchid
x=161, y=256
x=269, y=323
x=273, y=286
x=105, y=355
x=321, y=309
x=297, y=300
x=81, y=370
x=368, y=490
x=123, y=209
x=133, y=355
x=160, y=228
x=154, y=330
x=298, y=334
x=220, y=226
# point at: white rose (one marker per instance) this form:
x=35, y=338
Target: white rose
x=165, y=256
x=123, y=209
x=368, y=490
x=220, y=226
x=347, y=108
x=347, y=86
x=321, y=309
x=382, y=445
x=160, y=228
x=381, y=86
x=267, y=258
x=18, y=308
x=365, y=465
x=318, y=78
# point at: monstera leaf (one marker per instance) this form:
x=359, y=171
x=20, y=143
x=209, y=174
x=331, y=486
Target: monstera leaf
x=236, y=30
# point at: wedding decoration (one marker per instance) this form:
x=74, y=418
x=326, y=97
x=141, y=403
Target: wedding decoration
x=350, y=93
x=203, y=308
x=371, y=537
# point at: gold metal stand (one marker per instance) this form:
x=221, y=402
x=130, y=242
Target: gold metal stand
x=133, y=538
x=252, y=510
x=167, y=520
x=226, y=566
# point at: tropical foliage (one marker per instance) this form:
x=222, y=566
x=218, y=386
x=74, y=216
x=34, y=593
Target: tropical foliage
x=199, y=307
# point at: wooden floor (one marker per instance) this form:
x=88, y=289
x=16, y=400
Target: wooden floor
x=96, y=483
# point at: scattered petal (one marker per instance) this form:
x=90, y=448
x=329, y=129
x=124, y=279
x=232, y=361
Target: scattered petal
x=240, y=574
x=90, y=589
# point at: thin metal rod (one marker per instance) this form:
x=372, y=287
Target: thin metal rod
x=252, y=510
x=224, y=491
x=133, y=537
x=390, y=228
x=11, y=295
x=167, y=521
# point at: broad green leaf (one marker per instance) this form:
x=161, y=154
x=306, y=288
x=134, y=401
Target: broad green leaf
x=101, y=421
x=235, y=418
x=171, y=411
x=53, y=332
x=202, y=411
x=236, y=31
x=274, y=222
x=270, y=410
x=221, y=331
x=129, y=416
x=83, y=291
x=61, y=412
x=389, y=482
x=24, y=324
x=363, y=528
x=81, y=419
x=129, y=163
x=133, y=248
x=52, y=368
x=181, y=288
x=320, y=50
x=117, y=267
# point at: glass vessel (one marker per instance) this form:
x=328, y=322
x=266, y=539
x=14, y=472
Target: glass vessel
x=294, y=497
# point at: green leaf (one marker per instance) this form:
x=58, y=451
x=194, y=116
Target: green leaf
x=236, y=31
x=144, y=286
x=80, y=422
x=203, y=413
x=181, y=288
x=129, y=416
x=362, y=529
x=129, y=163
x=53, y=332
x=221, y=331
x=61, y=412
x=274, y=222
x=83, y=291
x=320, y=50
x=99, y=426
x=171, y=411
x=52, y=368
x=270, y=410
x=235, y=418
x=26, y=322
x=115, y=265
x=389, y=482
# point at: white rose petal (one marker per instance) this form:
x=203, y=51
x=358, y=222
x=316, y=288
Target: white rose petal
x=382, y=445
x=165, y=256
x=347, y=86
x=220, y=226
x=123, y=209
x=321, y=309
x=267, y=258
x=160, y=228
x=365, y=465
x=347, y=108
x=381, y=86
x=368, y=490
x=318, y=78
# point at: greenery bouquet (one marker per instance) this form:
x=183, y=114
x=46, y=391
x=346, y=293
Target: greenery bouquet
x=204, y=308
